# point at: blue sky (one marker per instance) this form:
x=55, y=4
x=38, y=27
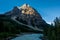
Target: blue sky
x=49, y=9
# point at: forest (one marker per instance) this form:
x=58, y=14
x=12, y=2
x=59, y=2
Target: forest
x=53, y=32
x=9, y=28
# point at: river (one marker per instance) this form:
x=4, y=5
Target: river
x=28, y=37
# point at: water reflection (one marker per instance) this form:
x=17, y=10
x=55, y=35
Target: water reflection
x=29, y=37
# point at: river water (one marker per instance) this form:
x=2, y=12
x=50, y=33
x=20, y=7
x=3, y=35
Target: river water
x=29, y=37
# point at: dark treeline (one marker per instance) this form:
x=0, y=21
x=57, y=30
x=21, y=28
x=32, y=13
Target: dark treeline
x=53, y=32
x=9, y=28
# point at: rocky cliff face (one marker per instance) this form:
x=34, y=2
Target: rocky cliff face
x=27, y=15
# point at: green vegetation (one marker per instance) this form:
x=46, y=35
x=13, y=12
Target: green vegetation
x=9, y=28
x=52, y=32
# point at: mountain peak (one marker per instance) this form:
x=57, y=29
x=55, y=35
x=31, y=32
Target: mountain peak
x=24, y=6
x=26, y=9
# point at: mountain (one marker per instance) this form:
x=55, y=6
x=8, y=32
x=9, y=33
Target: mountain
x=27, y=15
x=24, y=19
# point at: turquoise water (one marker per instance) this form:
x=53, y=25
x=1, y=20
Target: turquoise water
x=29, y=37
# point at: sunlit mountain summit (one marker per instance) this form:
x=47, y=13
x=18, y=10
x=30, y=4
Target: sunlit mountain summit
x=26, y=9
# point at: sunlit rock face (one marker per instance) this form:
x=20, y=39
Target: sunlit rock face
x=26, y=9
x=27, y=15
